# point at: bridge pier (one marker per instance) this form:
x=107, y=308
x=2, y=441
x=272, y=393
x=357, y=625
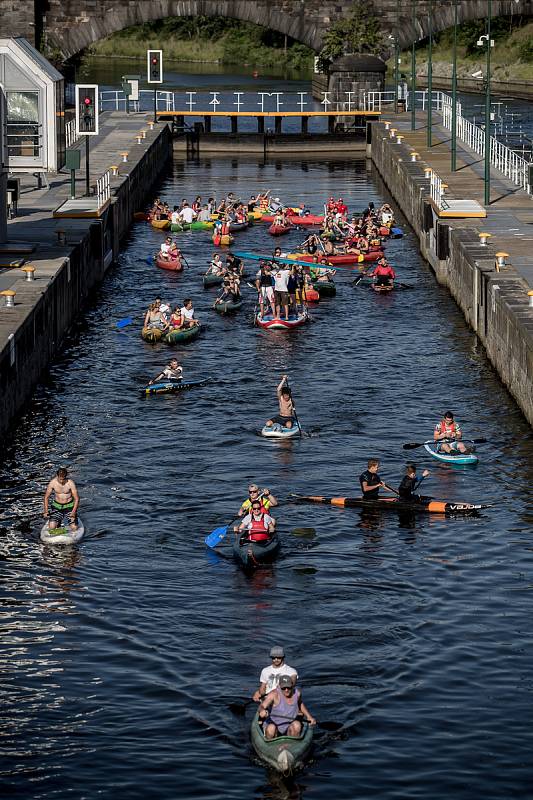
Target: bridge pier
x=353, y=75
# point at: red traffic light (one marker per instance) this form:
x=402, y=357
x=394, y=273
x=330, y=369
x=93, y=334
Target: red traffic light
x=154, y=60
x=87, y=101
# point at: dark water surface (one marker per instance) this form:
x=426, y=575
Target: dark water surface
x=120, y=658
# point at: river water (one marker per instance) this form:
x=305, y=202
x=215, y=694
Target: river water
x=121, y=657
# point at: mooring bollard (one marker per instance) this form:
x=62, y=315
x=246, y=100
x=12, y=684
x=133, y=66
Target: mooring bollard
x=139, y=138
x=392, y=132
x=114, y=169
x=399, y=137
x=387, y=125
x=9, y=295
x=428, y=172
x=500, y=260
x=530, y=295
x=483, y=238
x=124, y=157
x=143, y=134
x=30, y=272
x=151, y=124
x=414, y=156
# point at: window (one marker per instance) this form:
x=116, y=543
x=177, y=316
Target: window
x=23, y=128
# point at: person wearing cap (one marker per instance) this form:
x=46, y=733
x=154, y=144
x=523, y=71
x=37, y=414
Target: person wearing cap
x=448, y=435
x=270, y=675
x=281, y=708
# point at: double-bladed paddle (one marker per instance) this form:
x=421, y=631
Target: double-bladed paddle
x=414, y=445
x=218, y=535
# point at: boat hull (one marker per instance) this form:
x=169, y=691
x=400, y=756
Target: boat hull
x=250, y=555
x=279, y=230
x=170, y=387
x=152, y=335
x=285, y=753
x=271, y=323
x=160, y=224
x=427, y=506
x=65, y=537
x=179, y=336
x=459, y=459
x=346, y=259
x=227, y=307
x=278, y=431
x=325, y=288
x=172, y=266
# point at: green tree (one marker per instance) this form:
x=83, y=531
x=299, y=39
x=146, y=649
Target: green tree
x=359, y=32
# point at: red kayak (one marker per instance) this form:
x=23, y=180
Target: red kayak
x=308, y=219
x=175, y=265
x=281, y=324
x=347, y=259
x=279, y=230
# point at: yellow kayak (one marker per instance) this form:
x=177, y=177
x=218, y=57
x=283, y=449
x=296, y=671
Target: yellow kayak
x=160, y=224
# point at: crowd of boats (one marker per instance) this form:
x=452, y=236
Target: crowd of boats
x=285, y=285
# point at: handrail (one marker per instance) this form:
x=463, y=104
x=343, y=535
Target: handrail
x=103, y=189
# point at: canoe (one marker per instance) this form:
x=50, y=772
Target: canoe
x=152, y=335
x=179, y=227
x=169, y=387
x=212, y=280
x=381, y=288
x=311, y=295
x=285, y=753
x=396, y=233
x=228, y=307
x=250, y=555
x=160, y=224
x=268, y=322
x=174, y=265
x=256, y=214
x=278, y=431
x=428, y=506
x=140, y=216
x=225, y=240
x=308, y=219
x=325, y=288
x=449, y=458
x=341, y=258
x=279, y=230
x=180, y=335
x=197, y=225
x=235, y=227
x=62, y=536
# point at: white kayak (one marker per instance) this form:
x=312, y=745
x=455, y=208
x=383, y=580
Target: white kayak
x=450, y=458
x=278, y=431
x=62, y=536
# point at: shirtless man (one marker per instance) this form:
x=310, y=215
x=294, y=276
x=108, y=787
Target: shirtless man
x=286, y=406
x=65, y=502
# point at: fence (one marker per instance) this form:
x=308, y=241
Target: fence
x=70, y=132
x=103, y=191
x=377, y=101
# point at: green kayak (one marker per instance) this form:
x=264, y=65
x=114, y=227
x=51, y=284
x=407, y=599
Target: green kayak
x=325, y=288
x=228, y=306
x=212, y=280
x=284, y=753
x=190, y=226
x=182, y=335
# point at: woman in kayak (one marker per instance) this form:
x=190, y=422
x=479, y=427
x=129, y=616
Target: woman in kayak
x=172, y=372
x=280, y=709
x=154, y=317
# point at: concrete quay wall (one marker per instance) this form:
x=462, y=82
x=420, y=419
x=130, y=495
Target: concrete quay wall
x=31, y=333
x=494, y=304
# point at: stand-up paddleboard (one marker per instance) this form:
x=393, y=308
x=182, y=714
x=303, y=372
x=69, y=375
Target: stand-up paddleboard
x=62, y=536
x=460, y=459
x=278, y=431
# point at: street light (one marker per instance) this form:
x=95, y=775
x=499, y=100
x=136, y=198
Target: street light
x=486, y=41
x=413, y=69
x=454, y=90
x=430, y=75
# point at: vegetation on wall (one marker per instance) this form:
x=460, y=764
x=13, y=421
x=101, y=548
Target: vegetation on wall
x=219, y=39
x=359, y=32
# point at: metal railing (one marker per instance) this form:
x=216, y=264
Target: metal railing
x=71, y=135
x=115, y=100
x=437, y=188
x=103, y=190
x=377, y=101
x=502, y=157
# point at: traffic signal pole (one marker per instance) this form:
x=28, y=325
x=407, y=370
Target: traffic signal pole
x=87, y=174
x=155, y=104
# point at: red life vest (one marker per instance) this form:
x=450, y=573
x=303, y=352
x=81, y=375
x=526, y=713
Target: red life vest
x=259, y=529
x=224, y=229
x=451, y=429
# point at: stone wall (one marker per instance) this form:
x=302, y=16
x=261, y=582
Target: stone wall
x=46, y=308
x=494, y=303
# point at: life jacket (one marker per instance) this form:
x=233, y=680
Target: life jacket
x=445, y=428
x=224, y=229
x=259, y=529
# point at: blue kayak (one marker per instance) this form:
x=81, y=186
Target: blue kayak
x=167, y=387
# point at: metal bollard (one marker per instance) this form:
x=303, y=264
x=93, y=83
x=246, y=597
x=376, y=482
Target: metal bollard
x=139, y=138
x=9, y=295
x=30, y=272
x=500, y=260
x=414, y=157
x=124, y=157
x=399, y=137
x=114, y=169
x=483, y=239
x=530, y=295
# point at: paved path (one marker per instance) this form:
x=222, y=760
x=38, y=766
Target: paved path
x=510, y=214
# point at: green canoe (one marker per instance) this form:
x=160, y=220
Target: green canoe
x=325, y=288
x=212, y=280
x=285, y=753
x=185, y=335
x=228, y=306
x=192, y=226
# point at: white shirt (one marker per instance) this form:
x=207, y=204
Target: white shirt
x=271, y=675
x=188, y=313
x=164, y=308
x=280, y=280
x=204, y=215
x=187, y=214
x=175, y=217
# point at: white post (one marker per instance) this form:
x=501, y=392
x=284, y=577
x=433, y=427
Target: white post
x=326, y=101
x=279, y=102
x=349, y=100
x=215, y=101
x=301, y=101
x=238, y=102
x=261, y=102
x=190, y=101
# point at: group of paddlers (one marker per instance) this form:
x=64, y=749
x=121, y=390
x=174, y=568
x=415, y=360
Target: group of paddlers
x=161, y=316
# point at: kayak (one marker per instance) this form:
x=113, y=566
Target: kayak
x=228, y=306
x=140, y=216
x=182, y=335
x=311, y=295
x=225, y=240
x=308, y=219
x=450, y=458
x=255, y=215
x=152, y=335
x=212, y=280
x=279, y=230
x=347, y=259
x=278, y=431
x=167, y=387
x=62, y=536
x=160, y=224
x=174, y=265
x=427, y=506
x=376, y=287
x=272, y=323
x=284, y=753
x=325, y=288
x=235, y=227
x=250, y=555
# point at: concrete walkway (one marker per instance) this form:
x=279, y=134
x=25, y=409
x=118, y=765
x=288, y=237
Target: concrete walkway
x=510, y=214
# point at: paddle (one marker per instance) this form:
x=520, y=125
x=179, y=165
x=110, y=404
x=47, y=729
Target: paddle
x=414, y=445
x=293, y=408
x=217, y=536
x=122, y=323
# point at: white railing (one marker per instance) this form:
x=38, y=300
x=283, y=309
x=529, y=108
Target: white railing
x=502, y=157
x=437, y=189
x=376, y=101
x=103, y=190
x=115, y=100
x=70, y=132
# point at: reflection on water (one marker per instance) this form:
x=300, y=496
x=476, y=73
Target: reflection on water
x=410, y=632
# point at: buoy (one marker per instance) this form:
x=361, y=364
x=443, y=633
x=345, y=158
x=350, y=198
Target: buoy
x=255, y=74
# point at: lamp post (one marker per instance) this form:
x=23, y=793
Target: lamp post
x=488, y=42
x=454, y=91
x=396, y=56
x=413, y=70
x=430, y=76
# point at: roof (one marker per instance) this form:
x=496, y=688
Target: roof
x=43, y=63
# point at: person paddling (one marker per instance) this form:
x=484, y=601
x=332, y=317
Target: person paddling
x=286, y=417
x=258, y=523
x=448, y=435
x=172, y=372
x=410, y=483
x=270, y=675
x=370, y=481
x=64, y=503
x=281, y=708
x=255, y=493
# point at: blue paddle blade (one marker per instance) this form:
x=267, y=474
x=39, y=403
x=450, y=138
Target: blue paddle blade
x=216, y=536
x=397, y=231
x=123, y=322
